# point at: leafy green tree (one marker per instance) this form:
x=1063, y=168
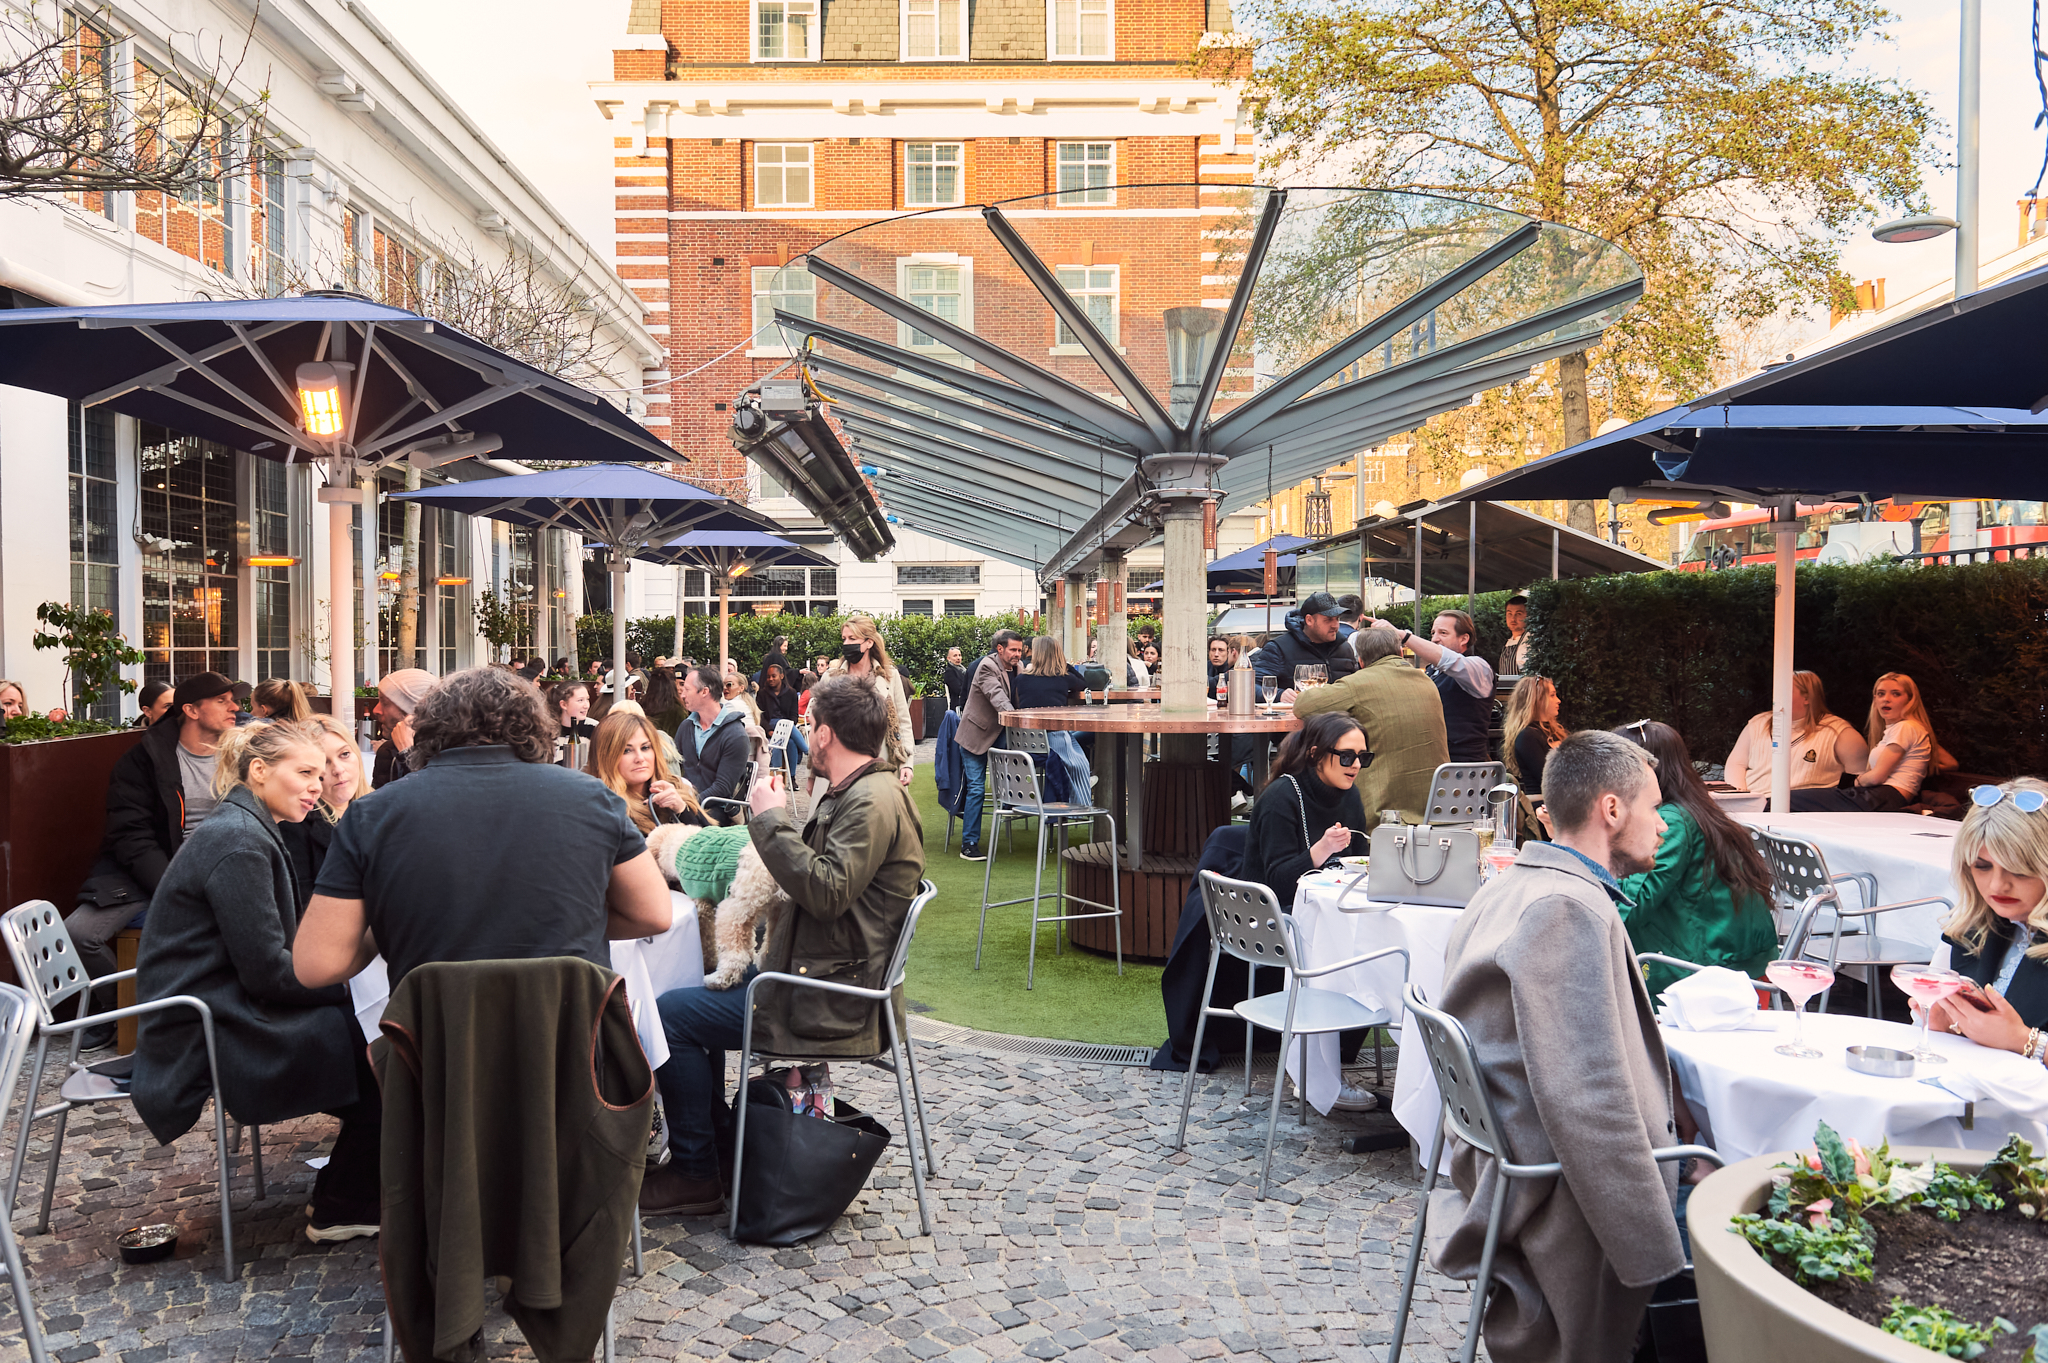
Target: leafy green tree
x=94, y=650
x=1725, y=145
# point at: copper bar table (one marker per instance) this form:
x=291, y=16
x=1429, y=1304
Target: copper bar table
x=1167, y=809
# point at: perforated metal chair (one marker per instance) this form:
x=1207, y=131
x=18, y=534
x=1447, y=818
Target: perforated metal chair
x=1799, y=875
x=737, y=804
x=17, y=1024
x=42, y=951
x=1014, y=780
x=1469, y=1115
x=1646, y=959
x=1245, y=921
x=1458, y=792
x=899, y=961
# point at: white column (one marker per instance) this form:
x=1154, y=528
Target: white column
x=366, y=551
x=341, y=625
x=1184, y=612
x=1785, y=535
x=1116, y=631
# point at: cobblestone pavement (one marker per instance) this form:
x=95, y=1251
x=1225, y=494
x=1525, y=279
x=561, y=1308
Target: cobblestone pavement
x=1065, y=1224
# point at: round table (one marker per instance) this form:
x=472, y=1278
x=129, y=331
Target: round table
x=1167, y=811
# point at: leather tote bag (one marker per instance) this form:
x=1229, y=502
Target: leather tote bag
x=1423, y=865
x=801, y=1173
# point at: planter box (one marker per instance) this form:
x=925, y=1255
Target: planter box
x=53, y=809
x=917, y=725
x=1750, y=1311
x=934, y=712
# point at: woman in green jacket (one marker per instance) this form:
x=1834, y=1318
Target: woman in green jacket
x=1708, y=898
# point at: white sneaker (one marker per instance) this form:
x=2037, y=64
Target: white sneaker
x=1352, y=1098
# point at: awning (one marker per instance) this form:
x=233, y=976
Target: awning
x=1513, y=548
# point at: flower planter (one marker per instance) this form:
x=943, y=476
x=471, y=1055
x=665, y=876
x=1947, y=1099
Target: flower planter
x=1754, y=1314
x=934, y=711
x=53, y=809
x=917, y=725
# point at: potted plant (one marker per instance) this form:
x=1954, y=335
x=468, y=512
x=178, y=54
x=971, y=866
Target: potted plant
x=918, y=726
x=1844, y=1253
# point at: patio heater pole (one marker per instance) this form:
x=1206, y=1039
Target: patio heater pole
x=367, y=550
x=618, y=571
x=724, y=614
x=341, y=501
x=1415, y=612
x=1784, y=533
x=1969, y=83
x=1471, y=555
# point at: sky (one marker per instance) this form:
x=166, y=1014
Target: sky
x=521, y=69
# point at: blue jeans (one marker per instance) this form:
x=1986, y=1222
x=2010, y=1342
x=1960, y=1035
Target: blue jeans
x=701, y=1026
x=797, y=751
x=974, y=766
x=1066, y=749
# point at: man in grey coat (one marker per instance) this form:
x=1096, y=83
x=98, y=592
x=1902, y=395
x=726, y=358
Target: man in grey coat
x=1540, y=973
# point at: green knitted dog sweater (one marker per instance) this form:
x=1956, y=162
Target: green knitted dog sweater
x=707, y=862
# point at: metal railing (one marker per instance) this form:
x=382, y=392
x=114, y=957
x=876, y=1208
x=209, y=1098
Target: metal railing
x=1991, y=554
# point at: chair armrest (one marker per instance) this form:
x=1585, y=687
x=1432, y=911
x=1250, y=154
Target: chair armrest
x=1661, y=959
x=132, y=1010
x=1948, y=904
x=1864, y=881
x=805, y=982
x=1322, y=970
x=1664, y=1154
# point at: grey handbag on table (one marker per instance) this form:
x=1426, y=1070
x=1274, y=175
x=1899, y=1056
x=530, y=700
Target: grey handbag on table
x=1423, y=865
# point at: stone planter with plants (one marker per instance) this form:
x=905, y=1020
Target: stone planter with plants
x=1847, y=1253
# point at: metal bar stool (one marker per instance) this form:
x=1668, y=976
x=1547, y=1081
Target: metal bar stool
x=1014, y=780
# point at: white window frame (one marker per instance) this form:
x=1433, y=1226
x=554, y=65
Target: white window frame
x=1077, y=198
x=766, y=340
x=936, y=9
x=1114, y=293
x=1052, y=31
x=810, y=168
x=813, y=31
x=905, y=333
x=959, y=178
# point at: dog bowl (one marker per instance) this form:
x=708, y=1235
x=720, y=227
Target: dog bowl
x=1882, y=1061
x=147, y=1244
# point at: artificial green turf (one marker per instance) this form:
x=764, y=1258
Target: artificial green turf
x=1077, y=995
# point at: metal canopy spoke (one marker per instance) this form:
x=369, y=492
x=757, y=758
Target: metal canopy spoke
x=985, y=456
x=1233, y=316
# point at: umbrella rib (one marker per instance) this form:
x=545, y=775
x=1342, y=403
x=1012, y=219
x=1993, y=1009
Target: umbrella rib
x=294, y=438
x=248, y=343
x=446, y=415
x=156, y=376
x=194, y=363
x=590, y=419
x=355, y=397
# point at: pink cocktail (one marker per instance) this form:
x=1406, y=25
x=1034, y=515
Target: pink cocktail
x=1800, y=980
x=1927, y=987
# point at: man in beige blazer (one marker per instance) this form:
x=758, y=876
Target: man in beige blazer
x=1540, y=973
x=981, y=728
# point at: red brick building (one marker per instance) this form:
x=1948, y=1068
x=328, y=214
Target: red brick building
x=746, y=132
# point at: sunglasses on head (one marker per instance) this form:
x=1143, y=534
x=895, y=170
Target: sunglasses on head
x=1349, y=757
x=2028, y=801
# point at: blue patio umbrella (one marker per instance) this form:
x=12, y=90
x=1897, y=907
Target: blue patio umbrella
x=726, y=555
x=628, y=509
x=1831, y=427
x=329, y=377
x=1233, y=575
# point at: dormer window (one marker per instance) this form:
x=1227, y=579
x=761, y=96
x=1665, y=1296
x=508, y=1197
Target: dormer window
x=785, y=30
x=935, y=30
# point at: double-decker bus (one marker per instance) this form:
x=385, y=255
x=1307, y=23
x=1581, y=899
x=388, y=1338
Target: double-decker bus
x=2004, y=530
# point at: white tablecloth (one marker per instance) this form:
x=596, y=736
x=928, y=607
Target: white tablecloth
x=1908, y=853
x=1329, y=933
x=651, y=966
x=1751, y=1101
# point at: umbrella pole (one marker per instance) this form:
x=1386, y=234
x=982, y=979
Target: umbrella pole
x=341, y=625
x=618, y=567
x=724, y=613
x=1784, y=531
x=676, y=649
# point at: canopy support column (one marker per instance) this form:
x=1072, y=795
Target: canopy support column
x=1115, y=634
x=1074, y=628
x=1784, y=532
x=341, y=618
x=1183, y=483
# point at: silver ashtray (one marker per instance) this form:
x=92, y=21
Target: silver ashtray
x=1882, y=1061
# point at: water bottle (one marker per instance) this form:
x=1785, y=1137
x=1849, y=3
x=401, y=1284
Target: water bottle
x=1242, y=689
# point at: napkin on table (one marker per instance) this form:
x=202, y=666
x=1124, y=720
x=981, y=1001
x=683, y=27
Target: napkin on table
x=1716, y=999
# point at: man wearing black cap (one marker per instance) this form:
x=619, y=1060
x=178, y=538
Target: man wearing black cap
x=1311, y=636
x=160, y=790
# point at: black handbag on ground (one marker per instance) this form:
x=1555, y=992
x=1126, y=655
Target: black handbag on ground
x=801, y=1173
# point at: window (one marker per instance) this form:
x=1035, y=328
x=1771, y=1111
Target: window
x=931, y=174
x=266, y=260
x=935, y=30
x=955, y=606
x=789, y=288
x=1372, y=471
x=194, y=222
x=782, y=175
x=786, y=30
x=397, y=272
x=696, y=582
x=922, y=607
x=450, y=559
x=95, y=559
x=940, y=291
x=86, y=59
x=1086, y=172
x=938, y=574
x=270, y=518
x=1094, y=287
x=191, y=598
x=824, y=582
x=1079, y=28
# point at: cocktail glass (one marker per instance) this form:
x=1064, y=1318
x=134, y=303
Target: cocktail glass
x=1800, y=980
x=1269, y=690
x=1927, y=986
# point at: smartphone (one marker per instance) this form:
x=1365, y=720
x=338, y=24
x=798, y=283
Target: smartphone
x=1974, y=996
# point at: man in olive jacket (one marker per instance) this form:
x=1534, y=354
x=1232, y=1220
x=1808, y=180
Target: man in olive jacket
x=1402, y=716
x=851, y=871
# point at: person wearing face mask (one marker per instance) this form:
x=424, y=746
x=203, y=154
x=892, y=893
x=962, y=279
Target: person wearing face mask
x=1998, y=937
x=862, y=654
x=221, y=929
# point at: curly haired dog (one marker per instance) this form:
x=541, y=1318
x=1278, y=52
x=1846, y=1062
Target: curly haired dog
x=735, y=895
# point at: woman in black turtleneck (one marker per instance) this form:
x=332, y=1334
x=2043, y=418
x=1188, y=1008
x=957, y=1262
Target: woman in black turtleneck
x=1309, y=812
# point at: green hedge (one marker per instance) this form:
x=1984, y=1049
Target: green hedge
x=1694, y=650
x=917, y=643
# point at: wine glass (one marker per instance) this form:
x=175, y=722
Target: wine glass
x=1269, y=690
x=1927, y=986
x=1801, y=980
x=1304, y=676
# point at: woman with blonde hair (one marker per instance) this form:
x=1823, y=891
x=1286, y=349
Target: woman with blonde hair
x=344, y=779
x=1825, y=747
x=1530, y=730
x=1903, y=752
x=627, y=756
x=221, y=928
x=1052, y=683
x=13, y=701
x=863, y=654
x=280, y=699
x=1998, y=936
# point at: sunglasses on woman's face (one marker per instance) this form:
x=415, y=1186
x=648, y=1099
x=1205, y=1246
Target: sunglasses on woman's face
x=1988, y=797
x=1352, y=757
